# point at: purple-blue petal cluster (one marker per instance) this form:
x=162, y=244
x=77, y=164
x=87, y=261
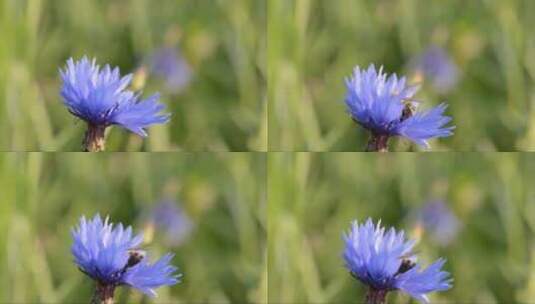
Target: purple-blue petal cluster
x=169, y=217
x=146, y=277
x=104, y=253
x=169, y=64
x=436, y=65
x=379, y=259
x=437, y=218
x=101, y=98
x=384, y=105
x=425, y=125
x=418, y=283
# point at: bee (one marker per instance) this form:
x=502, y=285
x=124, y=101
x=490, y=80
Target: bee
x=407, y=263
x=135, y=257
x=408, y=110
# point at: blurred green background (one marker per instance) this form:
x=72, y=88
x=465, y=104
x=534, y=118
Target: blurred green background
x=222, y=108
x=312, y=199
x=314, y=44
x=44, y=195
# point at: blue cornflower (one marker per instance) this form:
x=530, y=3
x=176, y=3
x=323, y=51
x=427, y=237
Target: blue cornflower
x=110, y=256
x=436, y=65
x=385, y=262
x=100, y=98
x=437, y=218
x=169, y=64
x=169, y=217
x=384, y=105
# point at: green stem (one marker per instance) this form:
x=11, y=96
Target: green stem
x=374, y=296
x=377, y=143
x=94, y=140
x=103, y=294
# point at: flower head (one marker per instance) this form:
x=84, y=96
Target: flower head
x=170, y=65
x=436, y=65
x=386, y=262
x=100, y=97
x=384, y=105
x=110, y=256
x=440, y=221
x=169, y=217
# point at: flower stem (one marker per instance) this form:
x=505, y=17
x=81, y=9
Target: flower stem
x=375, y=296
x=94, y=139
x=103, y=294
x=377, y=143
